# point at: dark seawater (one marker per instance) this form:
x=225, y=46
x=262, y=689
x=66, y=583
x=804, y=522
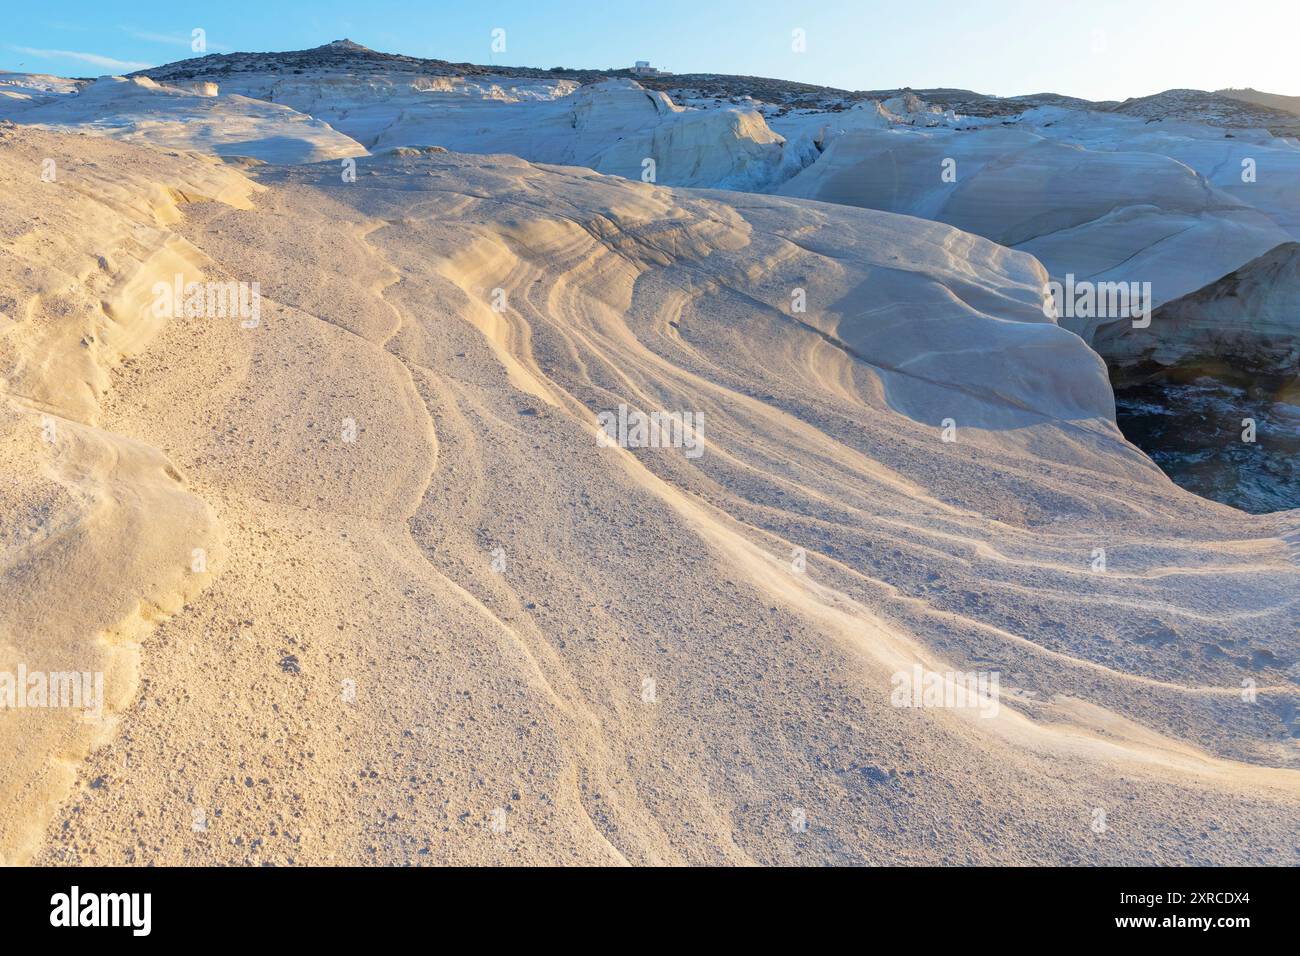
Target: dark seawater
x=1191, y=426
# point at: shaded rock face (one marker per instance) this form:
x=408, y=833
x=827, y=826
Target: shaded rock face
x=1211, y=390
x=1249, y=319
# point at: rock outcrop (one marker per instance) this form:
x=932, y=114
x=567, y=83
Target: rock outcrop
x=197, y=118
x=1248, y=320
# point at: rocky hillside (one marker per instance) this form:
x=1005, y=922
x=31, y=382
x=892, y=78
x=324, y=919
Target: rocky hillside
x=1288, y=104
x=1228, y=108
x=1216, y=109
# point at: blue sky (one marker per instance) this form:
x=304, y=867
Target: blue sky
x=1098, y=49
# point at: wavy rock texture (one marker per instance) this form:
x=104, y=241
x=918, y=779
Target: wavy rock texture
x=473, y=634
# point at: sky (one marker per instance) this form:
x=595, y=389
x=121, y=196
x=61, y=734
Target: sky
x=1096, y=49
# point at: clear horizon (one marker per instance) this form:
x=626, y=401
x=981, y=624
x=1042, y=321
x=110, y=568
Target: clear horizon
x=1111, y=51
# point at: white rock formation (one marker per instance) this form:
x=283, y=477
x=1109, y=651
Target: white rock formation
x=1251, y=165
x=1102, y=215
x=613, y=126
x=201, y=119
x=21, y=91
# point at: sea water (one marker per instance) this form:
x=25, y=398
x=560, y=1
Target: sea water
x=1198, y=429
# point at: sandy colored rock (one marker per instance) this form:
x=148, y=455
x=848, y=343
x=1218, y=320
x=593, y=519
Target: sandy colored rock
x=445, y=625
